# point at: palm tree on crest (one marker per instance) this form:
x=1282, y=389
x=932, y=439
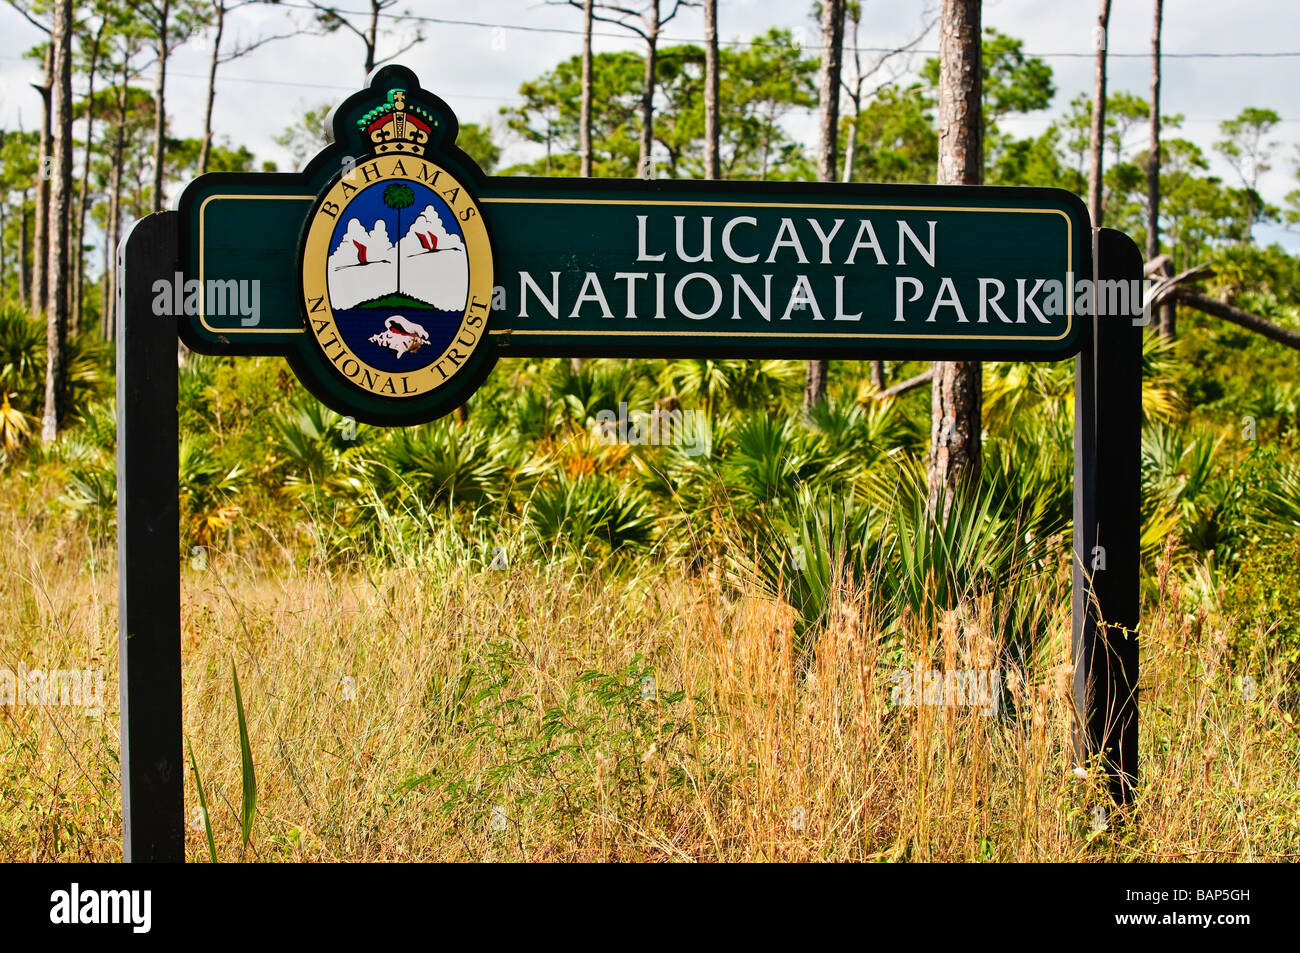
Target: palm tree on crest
x=398, y=197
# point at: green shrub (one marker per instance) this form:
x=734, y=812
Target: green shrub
x=1263, y=596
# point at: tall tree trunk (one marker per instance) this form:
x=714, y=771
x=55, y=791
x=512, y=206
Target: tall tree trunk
x=160, y=109
x=814, y=384
x=372, y=37
x=957, y=391
x=1098, y=140
x=60, y=213
x=1168, y=310
x=83, y=190
x=205, y=151
x=584, y=121
x=854, y=15
x=816, y=372
x=41, y=246
x=712, y=133
x=828, y=97
x=645, y=165
x=24, y=261
x=107, y=313
x=115, y=212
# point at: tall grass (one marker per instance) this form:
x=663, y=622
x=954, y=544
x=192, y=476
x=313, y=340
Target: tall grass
x=555, y=711
x=507, y=640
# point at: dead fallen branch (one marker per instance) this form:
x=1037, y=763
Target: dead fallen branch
x=1251, y=322
x=1170, y=283
x=1177, y=288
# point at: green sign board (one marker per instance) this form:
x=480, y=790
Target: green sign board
x=392, y=273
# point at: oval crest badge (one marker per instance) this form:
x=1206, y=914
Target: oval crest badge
x=397, y=264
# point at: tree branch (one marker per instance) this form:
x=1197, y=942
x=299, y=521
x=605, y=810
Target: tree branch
x=902, y=387
x=630, y=27
x=1169, y=284
x=247, y=48
x=28, y=17
x=1251, y=322
x=855, y=91
x=677, y=8
x=396, y=53
x=332, y=16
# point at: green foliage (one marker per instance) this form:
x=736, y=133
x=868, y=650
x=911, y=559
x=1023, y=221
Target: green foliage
x=630, y=731
x=19, y=154
x=549, y=116
x=594, y=516
x=529, y=470
x=579, y=392
x=22, y=375
x=990, y=546
x=1263, y=596
x=317, y=444
x=207, y=488
x=771, y=457
x=248, y=800
x=1292, y=214
x=760, y=84
x=183, y=158
x=806, y=551
x=1036, y=161
x=895, y=139
x=22, y=360
x=443, y=463
x=477, y=141
x=203, y=806
x=397, y=196
x=1246, y=146
x=746, y=385
x=1013, y=82
x=305, y=137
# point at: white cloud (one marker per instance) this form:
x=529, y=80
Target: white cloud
x=352, y=280
x=429, y=227
x=434, y=271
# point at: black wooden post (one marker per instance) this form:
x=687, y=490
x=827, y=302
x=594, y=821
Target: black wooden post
x=148, y=548
x=1107, y=526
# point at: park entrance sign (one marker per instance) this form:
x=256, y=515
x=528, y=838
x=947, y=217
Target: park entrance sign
x=392, y=274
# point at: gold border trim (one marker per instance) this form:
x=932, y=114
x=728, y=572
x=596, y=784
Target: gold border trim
x=203, y=320
x=479, y=266
x=776, y=335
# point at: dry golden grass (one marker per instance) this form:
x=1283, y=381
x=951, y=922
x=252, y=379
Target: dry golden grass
x=403, y=716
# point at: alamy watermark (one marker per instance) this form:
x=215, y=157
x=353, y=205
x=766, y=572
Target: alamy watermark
x=215, y=297
x=947, y=688
x=1030, y=301
x=133, y=908
x=69, y=688
x=687, y=429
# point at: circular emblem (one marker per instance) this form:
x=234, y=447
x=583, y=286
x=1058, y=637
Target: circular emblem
x=397, y=276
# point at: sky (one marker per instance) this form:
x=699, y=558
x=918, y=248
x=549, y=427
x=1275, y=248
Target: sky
x=479, y=68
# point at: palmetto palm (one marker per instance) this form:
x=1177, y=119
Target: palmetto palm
x=745, y=383
x=398, y=197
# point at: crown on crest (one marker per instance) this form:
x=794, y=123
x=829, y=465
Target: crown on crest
x=397, y=128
